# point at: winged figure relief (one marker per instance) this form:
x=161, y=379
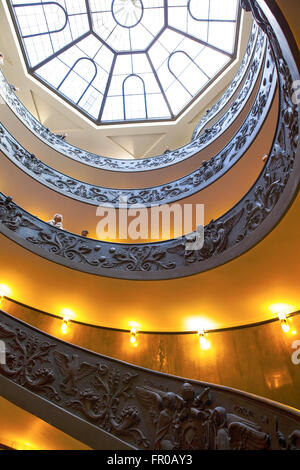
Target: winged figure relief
x=178, y=419
x=216, y=237
x=72, y=370
x=161, y=407
x=227, y=431
x=13, y=217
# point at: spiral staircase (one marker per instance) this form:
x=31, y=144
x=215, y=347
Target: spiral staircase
x=127, y=371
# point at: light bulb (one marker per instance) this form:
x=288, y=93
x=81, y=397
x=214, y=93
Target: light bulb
x=67, y=315
x=285, y=326
x=204, y=343
x=133, y=335
x=64, y=327
x=282, y=316
x=4, y=291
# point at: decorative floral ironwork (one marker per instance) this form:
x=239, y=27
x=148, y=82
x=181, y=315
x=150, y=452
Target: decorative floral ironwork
x=138, y=258
x=147, y=410
x=170, y=259
x=159, y=161
x=216, y=236
x=256, y=34
x=163, y=194
x=27, y=361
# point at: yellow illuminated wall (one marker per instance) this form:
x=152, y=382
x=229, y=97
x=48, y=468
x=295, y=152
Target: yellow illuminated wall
x=256, y=359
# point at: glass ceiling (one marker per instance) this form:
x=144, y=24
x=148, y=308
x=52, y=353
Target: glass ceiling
x=127, y=60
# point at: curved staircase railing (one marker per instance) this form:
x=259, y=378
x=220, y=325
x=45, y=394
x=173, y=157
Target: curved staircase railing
x=253, y=56
x=106, y=403
x=183, y=187
x=235, y=232
x=234, y=85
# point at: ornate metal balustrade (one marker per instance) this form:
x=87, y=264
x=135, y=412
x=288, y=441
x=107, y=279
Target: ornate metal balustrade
x=145, y=409
x=231, y=90
x=172, y=157
x=163, y=194
x=226, y=238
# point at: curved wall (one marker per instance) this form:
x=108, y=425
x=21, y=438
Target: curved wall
x=238, y=292
x=115, y=179
x=256, y=359
x=218, y=197
x=290, y=9
x=22, y=271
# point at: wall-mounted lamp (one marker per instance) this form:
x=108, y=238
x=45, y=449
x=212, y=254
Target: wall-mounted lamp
x=64, y=326
x=67, y=315
x=133, y=335
x=204, y=342
x=284, y=323
x=282, y=311
x=5, y=291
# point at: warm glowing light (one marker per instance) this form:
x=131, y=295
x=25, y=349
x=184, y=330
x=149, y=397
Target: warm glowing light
x=196, y=323
x=201, y=331
x=133, y=335
x=5, y=291
x=282, y=316
x=294, y=332
x=67, y=315
x=64, y=328
x=285, y=326
x=26, y=446
x=19, y=445
x=204, y=342
x=281, y=310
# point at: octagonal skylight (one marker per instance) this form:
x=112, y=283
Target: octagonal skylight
x=127, y=60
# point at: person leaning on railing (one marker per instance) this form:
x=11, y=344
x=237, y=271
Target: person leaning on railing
x=56, y=221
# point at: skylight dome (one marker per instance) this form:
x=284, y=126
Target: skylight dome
x=127, y=60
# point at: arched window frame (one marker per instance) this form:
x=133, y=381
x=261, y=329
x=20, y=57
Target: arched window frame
x=192, y=60
x=72, y=69
x=124, y=97
x=43, y=4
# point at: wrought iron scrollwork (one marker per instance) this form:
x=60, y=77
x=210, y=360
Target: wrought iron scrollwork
x=225, y=238
x=148, y=410
x=170, y=192
x=159, y=161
